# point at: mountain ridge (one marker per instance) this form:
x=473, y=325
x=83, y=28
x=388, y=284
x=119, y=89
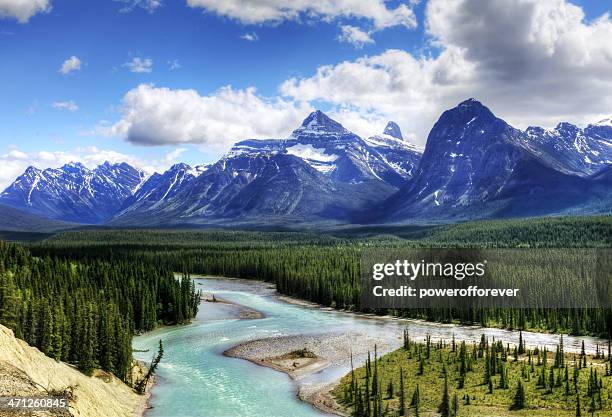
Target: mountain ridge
x=474, y=165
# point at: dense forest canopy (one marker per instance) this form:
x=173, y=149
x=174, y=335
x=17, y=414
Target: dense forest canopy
x=86, y=311
x=325, y=266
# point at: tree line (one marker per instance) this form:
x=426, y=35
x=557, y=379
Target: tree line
x=325, y=267
x=86, y=311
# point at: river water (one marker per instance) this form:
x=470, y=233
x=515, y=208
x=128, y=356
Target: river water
x=194, y=379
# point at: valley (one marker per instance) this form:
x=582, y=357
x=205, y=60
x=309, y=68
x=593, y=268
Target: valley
x=321, y=266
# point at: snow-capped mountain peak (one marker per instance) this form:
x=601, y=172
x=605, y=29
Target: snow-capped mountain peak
x=393, y=130
x=32, y=171
x=571, y=149
x=74, y=167
x=318, y=123
x=73, y=192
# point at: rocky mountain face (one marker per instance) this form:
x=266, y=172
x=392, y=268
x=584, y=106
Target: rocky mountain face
x=321, y=172
x=73, y=192
x=571, y=149
x=475, y=165
x=396, y=152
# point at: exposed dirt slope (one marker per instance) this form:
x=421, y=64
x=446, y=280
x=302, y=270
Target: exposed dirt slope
x=24, y=370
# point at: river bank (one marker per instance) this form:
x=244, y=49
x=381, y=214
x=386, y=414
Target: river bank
x=300, y=356
x=231, y=308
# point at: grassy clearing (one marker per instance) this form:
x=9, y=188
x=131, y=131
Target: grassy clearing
x=428, y=372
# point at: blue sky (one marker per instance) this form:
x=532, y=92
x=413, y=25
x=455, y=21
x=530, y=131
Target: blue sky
x=150, y=81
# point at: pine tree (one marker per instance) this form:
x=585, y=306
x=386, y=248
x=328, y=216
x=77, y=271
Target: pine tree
x=375, y=375
x=518, y=403
x=402, y=400
x=503, y=379
x=416, y=401
x=551, y=380
x=444, y=407
x=567, y=387
x=390, y=390
x=379, y=401
x=455, y=406
x=521, y=345
x=366, y=391
x=141, y=386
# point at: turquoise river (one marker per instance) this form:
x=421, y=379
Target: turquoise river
x=195, y=379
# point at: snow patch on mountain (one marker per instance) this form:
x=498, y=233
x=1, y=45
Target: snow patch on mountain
x=310, y=152
x=604, y=122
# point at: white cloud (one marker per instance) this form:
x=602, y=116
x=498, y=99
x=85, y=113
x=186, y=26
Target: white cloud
x=23, y=10
x=65, y=105
x=71, y=64
x=555, y=65
x=532, y=62
x=393, y=85
x=140, y=65
x=174, y=65
x=251, y=37
x=15, y=161
x=160, y=116
x=148, y=5
x=274, y=11
x=355, y=36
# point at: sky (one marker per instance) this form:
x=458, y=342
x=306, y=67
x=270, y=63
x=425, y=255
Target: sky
x=155, y=82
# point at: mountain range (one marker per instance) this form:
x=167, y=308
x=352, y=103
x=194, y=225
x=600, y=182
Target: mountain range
x=474, y=165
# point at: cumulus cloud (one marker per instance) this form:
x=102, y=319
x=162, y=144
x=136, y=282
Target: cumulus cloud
x=551, y=63
x=23, y=10
x=71, y=64
x=275, y=11
x=355, y=36
x=532, y=62
x=140, y=65
x=14, y=162
x=393, y=85
x=65, y=105
x=251, y=37
x=161, y=116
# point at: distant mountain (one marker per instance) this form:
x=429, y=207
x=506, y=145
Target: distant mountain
x=321, y=172
x=393, y=130
x=396, y=152
x=73, y=192
x=343, y=156
x=571, y=149
x=159, y=188
x=15, y=220
x=475, y=165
